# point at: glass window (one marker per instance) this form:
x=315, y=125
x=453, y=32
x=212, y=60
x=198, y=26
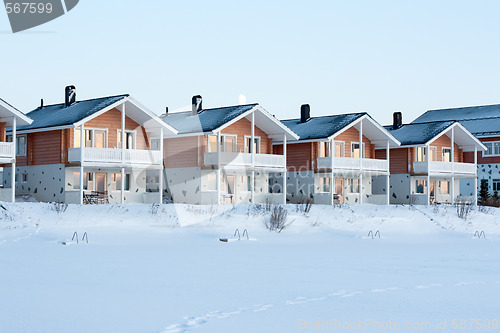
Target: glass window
x=353, y=185
x=496, y=148
x=24, y=178
x=211, y=180
x=421, y=153
x=421, y=186
x=355, y=150
x=256, y=145
x=496, y=185
x=21, y=145
x=155, y=144
x=212, y=143
x=488, y=145
x=117, y=183
x=339, y=149
x=324, y=149
x=444, y=187
x=100, y=139
x=229, y=143
x=433, y=154
x=446, y=154
x=129, y=139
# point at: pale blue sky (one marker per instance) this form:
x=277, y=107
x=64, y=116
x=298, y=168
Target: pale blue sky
x=338, y=56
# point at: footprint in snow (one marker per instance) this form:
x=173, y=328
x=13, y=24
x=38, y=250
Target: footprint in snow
x=352, y=294
x=189, y=322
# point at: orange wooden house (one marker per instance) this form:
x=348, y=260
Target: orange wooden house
x=92, y=150
x=223, y=155
x=328, y=164
x=10, y=147
x=430, y=163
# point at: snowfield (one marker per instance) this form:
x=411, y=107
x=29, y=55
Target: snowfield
x=149, y=268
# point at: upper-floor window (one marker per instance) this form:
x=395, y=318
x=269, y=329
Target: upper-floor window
x=248, y=144
x=228, y=143
x=355, y=149
x=432, y=154
x=446, y=154
x=493, y=148
x=155, y=144
x=129, y=139
x=339, y=149
x=421, y=154
x=324, y=184
x=21, y=143
x=324, y=149
x=97, y=138
x=212, y=143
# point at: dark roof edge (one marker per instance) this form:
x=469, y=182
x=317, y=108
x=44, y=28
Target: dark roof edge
x=331, y=115
x=84, y=100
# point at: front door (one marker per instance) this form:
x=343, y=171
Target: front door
x=339, y=190
x=100, y=182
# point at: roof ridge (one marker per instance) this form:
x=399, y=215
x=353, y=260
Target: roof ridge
x=83, y=100
x=464, y=107
x=228, y=106
x=331, y=115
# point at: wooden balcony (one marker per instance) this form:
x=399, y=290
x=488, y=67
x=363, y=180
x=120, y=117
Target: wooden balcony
x=445, y=168
x=115, y=157
x=244, y=160
x=353, y=164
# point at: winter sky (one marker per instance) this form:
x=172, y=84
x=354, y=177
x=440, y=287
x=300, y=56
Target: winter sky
x=338, y=56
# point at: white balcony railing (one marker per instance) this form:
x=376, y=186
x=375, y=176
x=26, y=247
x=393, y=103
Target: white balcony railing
x=245, y=160
x=115, y=156
x=350, y=163
x=7, y=150
x=445, y=167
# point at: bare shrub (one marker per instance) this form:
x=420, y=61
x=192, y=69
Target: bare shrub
x=278, y=219
x=153, y=210
x=59, y=207
x=463, y=208
x=304, y=205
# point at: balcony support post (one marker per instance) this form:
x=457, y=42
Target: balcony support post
x=285, y=169
x=428, y=176
x=122, y=195
x=388, y=184
x=14, y=151
x=252, y=147
x=160, y=178
x=361, y=153
x=452, y=165
x=332, y=176
x=218, y=168
x=82, y=155
x=475, y=176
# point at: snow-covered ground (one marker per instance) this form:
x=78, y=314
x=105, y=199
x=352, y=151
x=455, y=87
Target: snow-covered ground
x=163, y=269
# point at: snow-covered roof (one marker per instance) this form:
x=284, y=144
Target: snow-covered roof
x=321, y=127
x=59, y=115
x=216, y=119
x=479, y=120
x=207, y=120
x=416, y=134
x=7, y=111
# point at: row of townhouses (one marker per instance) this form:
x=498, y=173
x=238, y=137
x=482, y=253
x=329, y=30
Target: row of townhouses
x=114, y=150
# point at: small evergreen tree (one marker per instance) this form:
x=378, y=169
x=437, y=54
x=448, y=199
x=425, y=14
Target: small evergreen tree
x=484, y=193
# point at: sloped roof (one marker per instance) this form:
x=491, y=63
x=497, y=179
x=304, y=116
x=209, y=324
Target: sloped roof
x=321, y=127
x=479, y=120
x=418, y=133
x=207, y=120
x=59, y=115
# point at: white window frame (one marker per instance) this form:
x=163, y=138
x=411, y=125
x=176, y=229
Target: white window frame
x=342, y=148
x=361, y=153
x=424, y=152
x=442, y=154
x=424, y=184
x=495, y=185
x=433, y=153
x=440, y=187
x=156, y=142
x=259, y=141
x=92, y=129
x=208, y=182
x=246, y=182
x=24, y=178
x=494, y=144
x=350, y=185
x=222, y=144
x=116, y=183
x=217, y=144
x=18, y=145
x=324, y=148
x=322, y=182
x=134, y=141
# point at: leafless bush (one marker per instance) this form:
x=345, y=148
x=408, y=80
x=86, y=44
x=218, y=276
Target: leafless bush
x=484, y=209
x=463, y=208
x=278, y=219
x=153, y=210
x=491, y=202
x=304, y=205
x=59, y=207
